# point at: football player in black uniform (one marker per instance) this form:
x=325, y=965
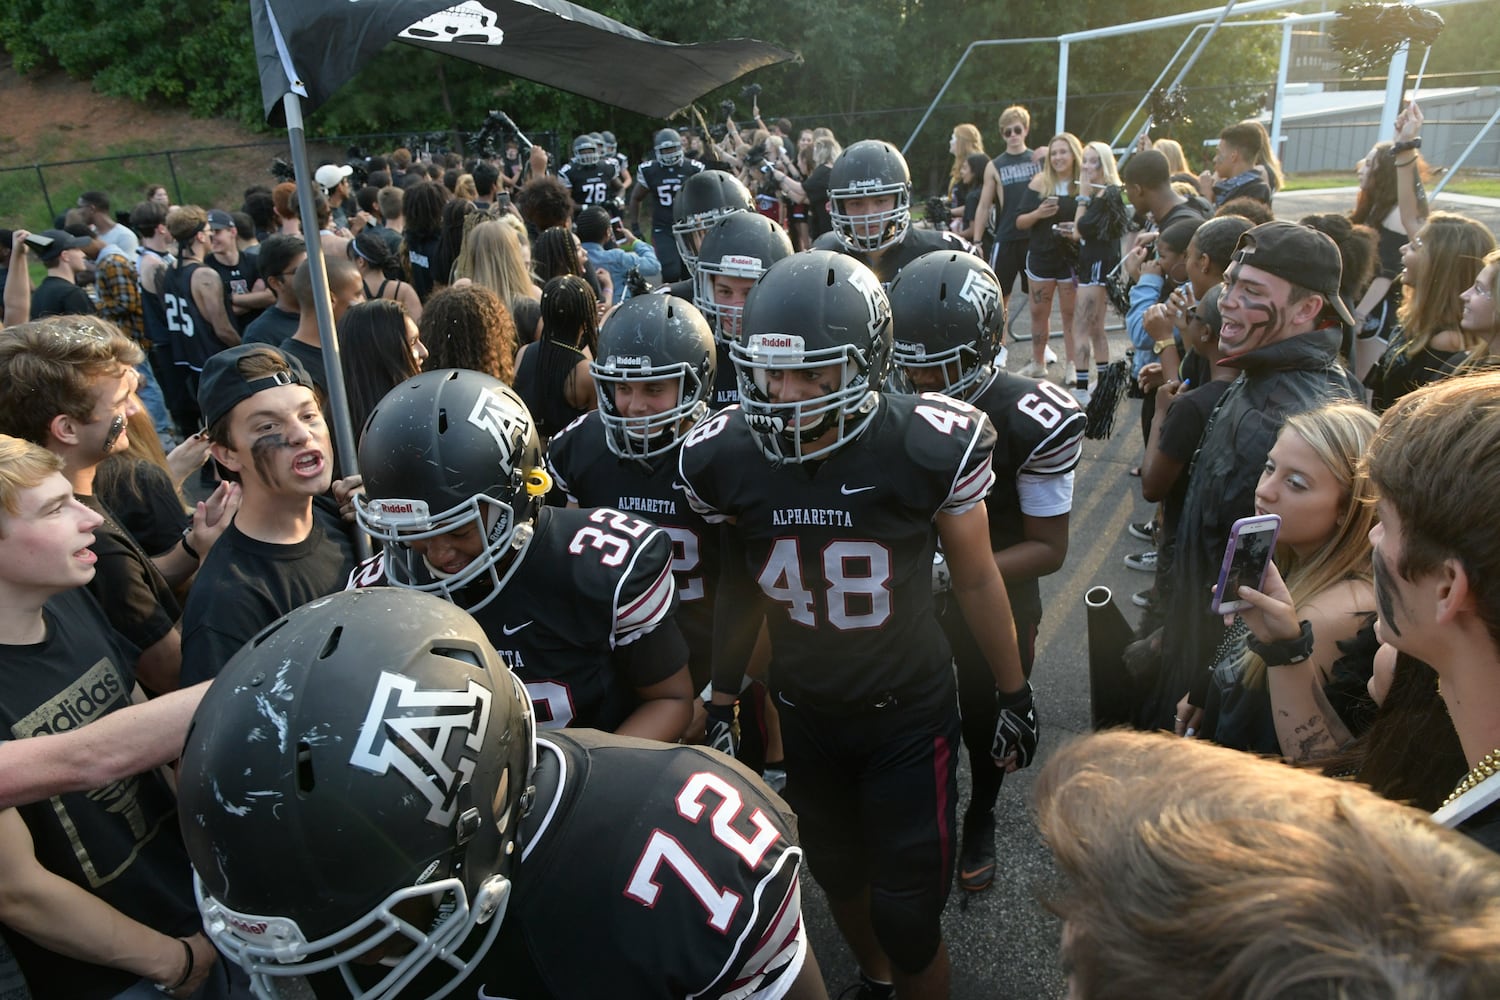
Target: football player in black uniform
x=661, y=178
x=654, y=371
x=734, y=254
x=705, y=198
x=366, y=804
x=948, y=310
x=588, y=175
x=579, y=603
x=837, y=495
x=869, y=198
x=610, y=150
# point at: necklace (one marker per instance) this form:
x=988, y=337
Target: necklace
x=1487, y=766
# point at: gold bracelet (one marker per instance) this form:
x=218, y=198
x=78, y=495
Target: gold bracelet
x=1407, y=163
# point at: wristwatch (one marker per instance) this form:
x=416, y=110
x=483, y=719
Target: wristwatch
x=1284, y=652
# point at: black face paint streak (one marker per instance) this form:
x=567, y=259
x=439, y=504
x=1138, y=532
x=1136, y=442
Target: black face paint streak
x=1386, y=594
x=116, y=428
x=263, y=452
x=1264, y=328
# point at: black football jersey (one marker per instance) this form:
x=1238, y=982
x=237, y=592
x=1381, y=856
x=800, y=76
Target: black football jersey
x=589, y=583
x=842, y=548
x=649, y=872
x=591, y=475
x=726, y=381
x=914, y=244
x=592, y=184
x=1039, y=440
x=663, y=183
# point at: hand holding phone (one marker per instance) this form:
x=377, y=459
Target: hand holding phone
x=1251, y=543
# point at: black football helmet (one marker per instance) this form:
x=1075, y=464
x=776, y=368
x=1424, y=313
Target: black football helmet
x=586, y=151
x=442, y=451
x=817, y=309
x=647, y=339
x=668, y=147
x=740, y=245
x=870, y=169
x=351, y=794
x=947, y=311
x=705, y=198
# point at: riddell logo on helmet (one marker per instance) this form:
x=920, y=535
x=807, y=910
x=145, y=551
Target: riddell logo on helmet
x=627, y=361
x=254, y=928
x=908, y=349
x=401, y=511
x=736, y=260
x=776, y=343
x=869, y=182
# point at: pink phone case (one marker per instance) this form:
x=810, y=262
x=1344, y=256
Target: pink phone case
x=1251, y=541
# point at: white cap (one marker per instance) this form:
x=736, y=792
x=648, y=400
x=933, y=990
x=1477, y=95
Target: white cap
x=329, y=175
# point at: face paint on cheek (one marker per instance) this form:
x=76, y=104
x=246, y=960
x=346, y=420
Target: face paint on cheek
x=1385, y=594
x=1269, y=324
x=263, y=452
x=116, y=428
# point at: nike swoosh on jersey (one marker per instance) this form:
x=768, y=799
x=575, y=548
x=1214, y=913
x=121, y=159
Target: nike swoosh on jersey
x=512, y=631
x=849, y=491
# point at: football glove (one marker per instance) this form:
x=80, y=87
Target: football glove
x=1016, y=731
x=723, y=732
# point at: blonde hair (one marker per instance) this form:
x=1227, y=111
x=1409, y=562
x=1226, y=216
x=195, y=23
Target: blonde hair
x=464, y=187
x=1339, y=434
x=969, y=141
x=491, y=257
x=49, y=366
x=23, y=465
x=1107, y=163
x=1195, y=870
x=1015, y=113
x=1176, y=159
x=1050, y=178
x=1456, y=247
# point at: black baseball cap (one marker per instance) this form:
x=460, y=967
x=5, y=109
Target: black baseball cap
x=1297, y=254
x=220, y=219
x=61, y=241
x=222, y=386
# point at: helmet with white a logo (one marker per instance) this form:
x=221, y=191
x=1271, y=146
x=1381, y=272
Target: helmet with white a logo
x=822, y=310
x=947, y=310
x=450, y=453
x=351, y=795
x=653, y=338
x=740, y=245
x=870, y=168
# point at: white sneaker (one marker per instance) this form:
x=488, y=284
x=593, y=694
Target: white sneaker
x=1033, y=370
x=1083, y=396
x=1050, y=355
x=1001, y=357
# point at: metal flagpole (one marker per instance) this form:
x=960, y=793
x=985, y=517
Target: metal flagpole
x=338, y=396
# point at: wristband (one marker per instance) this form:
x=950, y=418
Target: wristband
x=1083, y=200
x=187, y=546
x=187, y=973
x=1284, y=652
x=1401, y=147
x=1408, y=162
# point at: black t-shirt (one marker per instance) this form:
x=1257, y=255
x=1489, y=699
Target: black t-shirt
x=591, y=475
x=127, y=583
x=119, y=842
x=58, y=297
x=584, y=619
x=311, y=358
x=272, y=327
x=816, y=189
x=1401, y=370
x=245, y=584
x=238, y=278
x=841, y=549
x=422, y=255
x=143, y=500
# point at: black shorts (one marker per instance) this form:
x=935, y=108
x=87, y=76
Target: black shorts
x=875, y=795
x=1008, y=260
x=1096, y=261
x=1049, y=265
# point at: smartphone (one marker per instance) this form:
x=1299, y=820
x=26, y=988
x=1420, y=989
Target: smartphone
x=1251, y=542
x=38, y=242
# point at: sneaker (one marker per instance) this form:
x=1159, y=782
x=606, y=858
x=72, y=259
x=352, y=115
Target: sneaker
x=1144, y=530
x=1033, y=370
x=868, y=989
x=1049, y=355
x=1144, y=598
x=976, y=860
x=1001, y=356
x=1144, y=562
x=775, y=778
x=1083, y=396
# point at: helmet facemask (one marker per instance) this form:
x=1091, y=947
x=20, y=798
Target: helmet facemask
x=644, y=438
x=875, y=230
x=727, y=319
x=964, y=371
x=788, y=432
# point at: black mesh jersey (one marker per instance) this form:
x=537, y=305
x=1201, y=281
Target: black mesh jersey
x=842, y=548
x=193, y=338
x=914, y=244
x=591, y=185
x=1039, y=440
x=649, y=872
x=591, y=583
x=591, y=475
x=664, y=182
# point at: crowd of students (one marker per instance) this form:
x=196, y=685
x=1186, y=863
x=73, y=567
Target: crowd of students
x=761, y=487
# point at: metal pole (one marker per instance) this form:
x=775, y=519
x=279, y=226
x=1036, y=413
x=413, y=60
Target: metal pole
x=176, y=185
x=951, y=76
x=1279, y=101
x=1395, y=86
x=1115, y=142
x=1453, y=169
x=338, y=397
x=46, y=195
x=1062, y=87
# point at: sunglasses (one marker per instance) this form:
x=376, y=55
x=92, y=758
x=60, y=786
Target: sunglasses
x=1012, y=130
